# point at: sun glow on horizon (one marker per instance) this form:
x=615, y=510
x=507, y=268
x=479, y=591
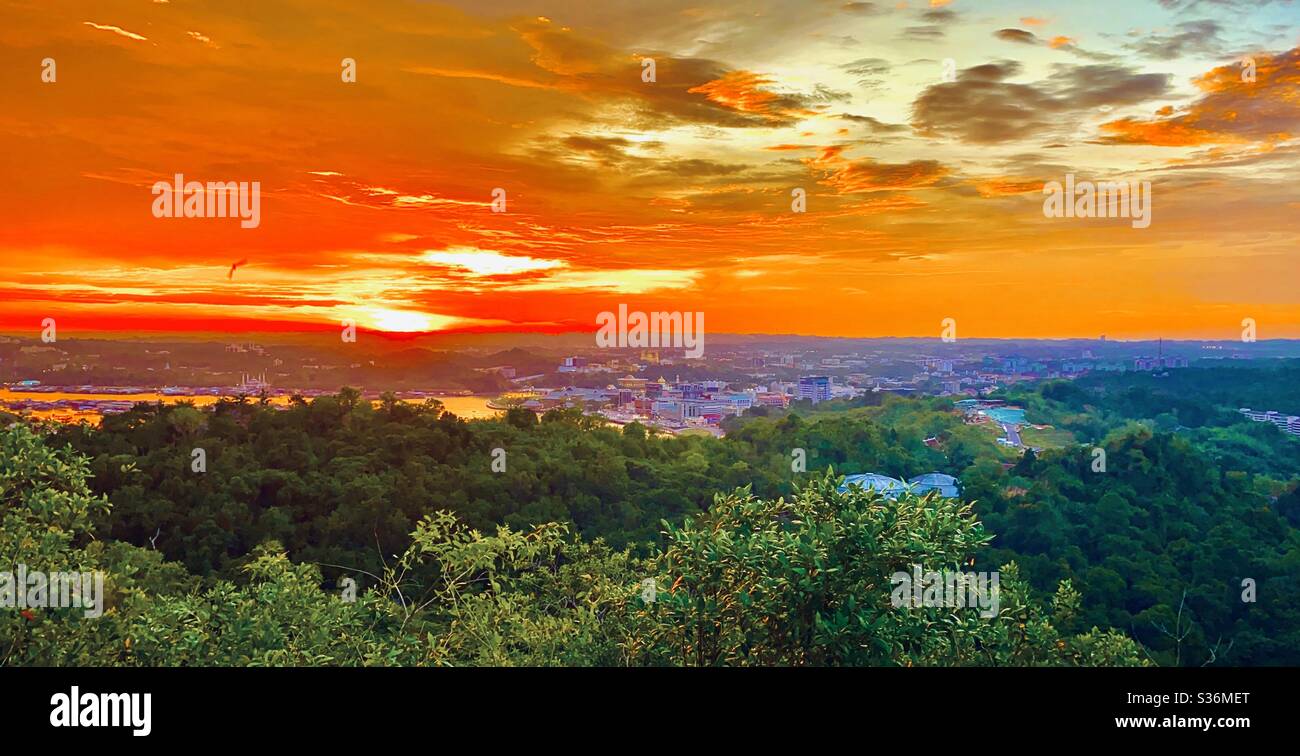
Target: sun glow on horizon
x=483, y=262
x=397, y=321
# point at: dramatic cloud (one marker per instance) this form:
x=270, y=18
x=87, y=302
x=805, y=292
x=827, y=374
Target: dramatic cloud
x=748, y=93
x=852, y=176
x=1193, y=37
x=1092, y=86
x=1230, y=111
x=983, y=107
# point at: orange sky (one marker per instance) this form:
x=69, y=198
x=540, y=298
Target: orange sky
x=924, y=196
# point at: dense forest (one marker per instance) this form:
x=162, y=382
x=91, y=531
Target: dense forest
x=526, y=539
x=797, y=581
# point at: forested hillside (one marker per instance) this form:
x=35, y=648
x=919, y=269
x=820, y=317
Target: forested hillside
x=797, y=581
x=1156, y=546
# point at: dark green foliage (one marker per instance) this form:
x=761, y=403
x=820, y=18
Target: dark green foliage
x=1158, y=545
x=1159, y=529
x=774, y=582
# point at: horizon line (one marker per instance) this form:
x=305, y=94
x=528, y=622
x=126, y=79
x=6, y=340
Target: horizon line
x=116, y=335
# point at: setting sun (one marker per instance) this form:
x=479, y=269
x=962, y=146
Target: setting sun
x=397, y=321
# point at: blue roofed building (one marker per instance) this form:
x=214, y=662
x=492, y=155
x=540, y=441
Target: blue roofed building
x=947, y=486
x=882, y=484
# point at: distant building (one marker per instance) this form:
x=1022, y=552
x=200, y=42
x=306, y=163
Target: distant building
x=691, y=390
x=1015, y=365
x=572, y=364
x=739, y=401
x=572, y=396
x=253, y=383
x=1289, y=424
x=946, y=485
x=633, y=383
x=703, y=409
x=882, y=484
x=1157, y=363
x=814, y=387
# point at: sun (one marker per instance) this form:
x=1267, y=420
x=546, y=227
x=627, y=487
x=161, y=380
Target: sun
x=397, y=321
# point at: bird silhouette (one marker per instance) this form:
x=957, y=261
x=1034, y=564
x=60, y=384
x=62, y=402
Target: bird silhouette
x=231, y=274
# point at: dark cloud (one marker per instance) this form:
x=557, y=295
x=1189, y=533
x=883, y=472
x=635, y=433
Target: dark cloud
x=863, y=9
x=1182, y=5
x=922, y=33
x=1017, y=35
x=983, y=107
x=606, y=148
x=1093, y=86
x=876, y=126
x=871, y=72
x=620, y=156
x=939, y=15
x=1192, y=37
x=992, y=71
x=1024, y=37
x=933, y=29
x=867, y=66
x=697, y=167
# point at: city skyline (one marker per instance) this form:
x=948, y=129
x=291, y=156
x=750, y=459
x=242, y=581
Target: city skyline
x=923, y=179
